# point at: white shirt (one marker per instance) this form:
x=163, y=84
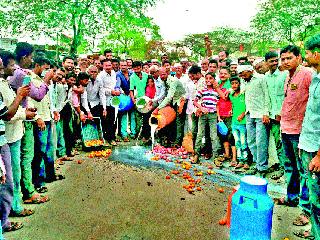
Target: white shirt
x=108, y=83
x=91, y=95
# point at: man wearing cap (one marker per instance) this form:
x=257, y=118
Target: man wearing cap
x=257, y=115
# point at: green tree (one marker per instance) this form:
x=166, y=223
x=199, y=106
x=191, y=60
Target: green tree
x=129, y=36
x=80, y=18
x=285, y=20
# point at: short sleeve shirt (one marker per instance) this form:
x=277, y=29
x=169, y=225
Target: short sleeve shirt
x=238, y=107
x=138, y=84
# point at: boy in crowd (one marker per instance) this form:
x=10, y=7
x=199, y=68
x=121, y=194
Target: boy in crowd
x=209, y=96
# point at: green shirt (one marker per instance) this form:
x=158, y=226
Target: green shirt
x=275, y=83
x=226, y=85
x=175, y=92
x=238, y=107
x=309, y=137
x=139, y=84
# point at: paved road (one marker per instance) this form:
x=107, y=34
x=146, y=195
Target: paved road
x=102, y=199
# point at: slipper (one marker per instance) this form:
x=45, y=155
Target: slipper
x=13, y=227
x=233, y=163
x=246, y=166
x=277, y=175
x=304, y=234
x=25, y=213
x=240, y=165
x=36, y=199
x=195, y=159
x=42, y=189
x=301, y=220
x=284, y=202
x=217, y=162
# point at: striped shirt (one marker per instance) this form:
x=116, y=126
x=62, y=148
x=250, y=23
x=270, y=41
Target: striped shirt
x=210, y=98
x=3, y=112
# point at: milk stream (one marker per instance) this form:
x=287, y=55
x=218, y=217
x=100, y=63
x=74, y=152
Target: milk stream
x=153, y=131
x=116, y=110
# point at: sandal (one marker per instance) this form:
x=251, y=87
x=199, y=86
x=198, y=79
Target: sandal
x=56, y=178
x=240, y=165
x=13, y=227
x=207, y=156
x=25, y=213
x=42, y=189
x=301, y=220
x=217, y=162
x=36, y=199
x=304, y=234
x=233, y=163
x=284, y=202
x=195, y=159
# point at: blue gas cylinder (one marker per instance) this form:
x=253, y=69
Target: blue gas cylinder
x=251, y=210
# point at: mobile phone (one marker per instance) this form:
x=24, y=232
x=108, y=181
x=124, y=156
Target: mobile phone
x=26, y=80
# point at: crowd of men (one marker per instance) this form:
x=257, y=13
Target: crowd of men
x=42, y=103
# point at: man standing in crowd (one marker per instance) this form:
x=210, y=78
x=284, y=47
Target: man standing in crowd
x=123, y=83
x=108, y=81
x=204, y=66
x=176, y=95
x=275, y=82
x=138, y=83
x=257, y=117
x=24, y=52
x=309, y=141
x=296, y=93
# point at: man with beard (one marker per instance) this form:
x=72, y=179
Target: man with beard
x=68, y=64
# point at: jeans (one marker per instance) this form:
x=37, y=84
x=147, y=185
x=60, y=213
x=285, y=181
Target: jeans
x=211, y=120
x=15, y=149
x=27, y=154
x=313, y=182
x=258, y=142
x=60, y=143
x=239, y=132
x=44, y=154
x=275, y=131
x=6, y=189
x=124, y=123
x=295, y=173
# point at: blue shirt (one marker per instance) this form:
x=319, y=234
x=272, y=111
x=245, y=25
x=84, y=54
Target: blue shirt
x=122, y=82
x=310, y=133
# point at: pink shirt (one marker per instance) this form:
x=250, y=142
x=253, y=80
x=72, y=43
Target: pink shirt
x=295, y=101
x=150, y=91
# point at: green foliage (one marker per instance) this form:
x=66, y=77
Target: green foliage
x=78, y=18
x=285, y=20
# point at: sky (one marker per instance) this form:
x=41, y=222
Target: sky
x=177, y=18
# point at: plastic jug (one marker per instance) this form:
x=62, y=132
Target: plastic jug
x=166, y=116
x=251, y=211
x=123, y=102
